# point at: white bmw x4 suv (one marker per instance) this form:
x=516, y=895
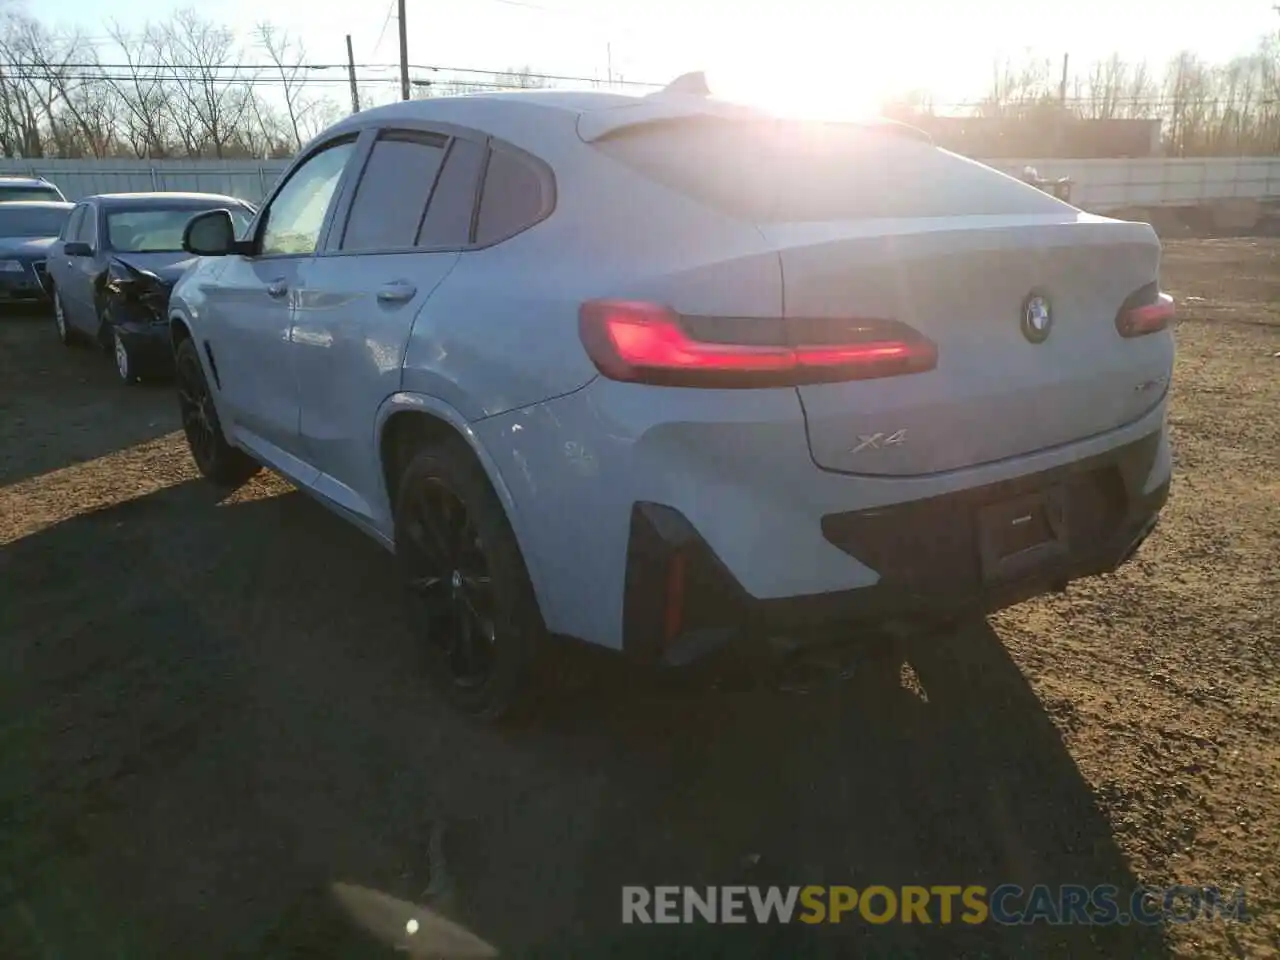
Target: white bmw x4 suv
x=666, y=373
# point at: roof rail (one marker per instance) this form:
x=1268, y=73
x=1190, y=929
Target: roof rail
x=691, y=84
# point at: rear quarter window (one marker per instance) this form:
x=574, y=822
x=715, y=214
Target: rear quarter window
x=786, y=171
x=516, y=195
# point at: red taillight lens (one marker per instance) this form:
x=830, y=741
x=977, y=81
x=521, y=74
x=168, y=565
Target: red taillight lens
x=1147, y=318
x=648, y=343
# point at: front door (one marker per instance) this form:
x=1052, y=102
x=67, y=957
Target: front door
x=250, y=346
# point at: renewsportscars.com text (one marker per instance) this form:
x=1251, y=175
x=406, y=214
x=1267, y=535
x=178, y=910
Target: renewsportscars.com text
x=1006, y=904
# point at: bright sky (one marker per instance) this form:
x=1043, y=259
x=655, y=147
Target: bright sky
x=830, y=52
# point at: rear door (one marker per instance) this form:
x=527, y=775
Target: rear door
x=76, y=282
x=57, y=263
x=395, y=239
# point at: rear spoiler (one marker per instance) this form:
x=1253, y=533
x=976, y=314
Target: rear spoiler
x=663, y=107
x=670, y=106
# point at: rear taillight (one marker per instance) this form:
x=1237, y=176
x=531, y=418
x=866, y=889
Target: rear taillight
x=1144, y=318
x=649, y=343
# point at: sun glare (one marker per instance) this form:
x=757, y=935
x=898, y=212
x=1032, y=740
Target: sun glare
x=802, y=100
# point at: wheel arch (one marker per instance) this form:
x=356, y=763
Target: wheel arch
x=179, y=329
x=407, y=420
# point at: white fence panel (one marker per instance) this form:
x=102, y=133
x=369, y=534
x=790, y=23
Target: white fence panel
x=1100, y=185
x=247, y=179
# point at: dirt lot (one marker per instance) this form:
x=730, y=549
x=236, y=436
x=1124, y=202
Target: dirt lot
x=210, y=714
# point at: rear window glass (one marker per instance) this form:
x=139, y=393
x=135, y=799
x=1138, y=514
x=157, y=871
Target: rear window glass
x=392, y=195
x=448, y=219
x=785, y=170
x=11, y=192
x=32, y=221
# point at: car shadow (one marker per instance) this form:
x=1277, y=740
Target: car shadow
x=913, y=761
x=212, y=712
x=65, y=405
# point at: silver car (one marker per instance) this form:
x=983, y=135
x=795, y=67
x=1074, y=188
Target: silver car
x=665, y=373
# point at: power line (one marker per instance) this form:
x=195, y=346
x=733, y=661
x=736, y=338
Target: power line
x=53, y=67
x=48, y=71
x=269, y=81
x=265, y=74
x=385, y=21
x=539, y=76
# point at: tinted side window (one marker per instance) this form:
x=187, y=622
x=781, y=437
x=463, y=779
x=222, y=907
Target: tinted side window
x=511, y=200
x=72, y=226
x=448, y=220
x=297, y=212
x=392, y=195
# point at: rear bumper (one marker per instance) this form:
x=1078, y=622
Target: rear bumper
x=677, y=617
x=737, y=477
x=682, y=602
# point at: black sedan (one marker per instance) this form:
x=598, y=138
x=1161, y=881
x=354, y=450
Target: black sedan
x=27, y=230
x=113, y=266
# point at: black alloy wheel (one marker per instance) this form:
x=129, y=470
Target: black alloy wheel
x=217, y=460
x=450, y=577
x=471, y=601
x=195, y=406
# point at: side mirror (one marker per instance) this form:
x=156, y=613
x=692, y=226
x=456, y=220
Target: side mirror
x=210, y=234
x=77, y=248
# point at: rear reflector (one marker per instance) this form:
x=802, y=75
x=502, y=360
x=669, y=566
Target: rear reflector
x=648, y=343
x=1148, y=318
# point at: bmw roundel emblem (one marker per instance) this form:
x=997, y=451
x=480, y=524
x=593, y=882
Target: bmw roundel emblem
x=1037, y=318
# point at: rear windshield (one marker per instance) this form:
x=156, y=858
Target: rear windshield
x=785, y=170
x=29, y=193
x=32, y=222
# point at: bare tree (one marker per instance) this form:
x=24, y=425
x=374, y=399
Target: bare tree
x=288, y=60
x=520, y=78
x=185, y=87
x=36, y=85
x=145, y=97
x=208, y=108
x=20, y=114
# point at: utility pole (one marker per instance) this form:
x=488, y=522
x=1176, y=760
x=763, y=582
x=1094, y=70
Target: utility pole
x=404, y=56
x=1062, y=90
x=351, y=75
x=608, y=53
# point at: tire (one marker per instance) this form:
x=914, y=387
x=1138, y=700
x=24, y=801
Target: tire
x=217, y=461
x=126, y=363
x=67, y=336
x=483, y=636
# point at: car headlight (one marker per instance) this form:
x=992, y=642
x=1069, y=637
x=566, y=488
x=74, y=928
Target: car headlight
x=11, y=266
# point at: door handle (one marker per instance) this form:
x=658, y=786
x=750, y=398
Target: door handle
x=396, y=292
x=277, y=288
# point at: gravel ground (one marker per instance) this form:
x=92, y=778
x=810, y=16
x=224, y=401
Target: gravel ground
x=211, y=714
